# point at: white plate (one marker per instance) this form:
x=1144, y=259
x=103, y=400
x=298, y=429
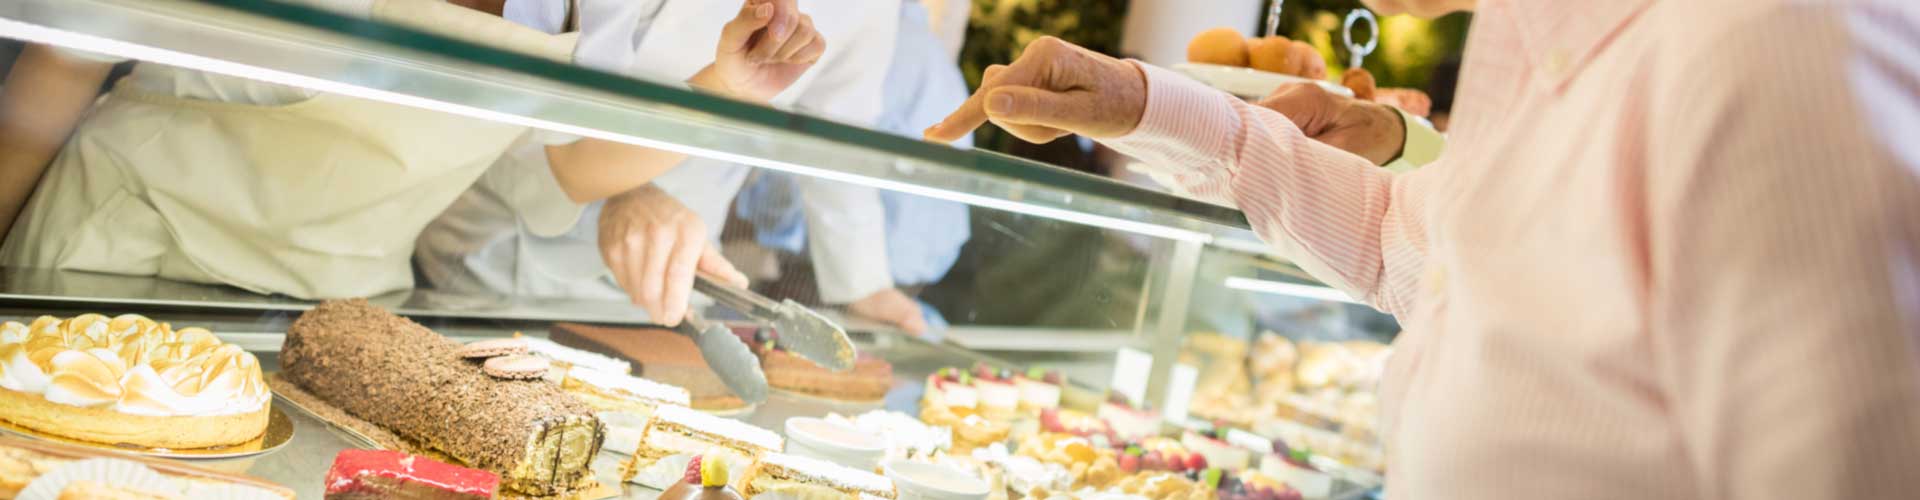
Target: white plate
x=1248, y=82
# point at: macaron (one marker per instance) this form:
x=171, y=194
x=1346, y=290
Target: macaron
x=516, y=367
x=493, y=347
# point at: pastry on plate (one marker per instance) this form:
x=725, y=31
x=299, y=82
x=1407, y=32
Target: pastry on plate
x=792, y=476
x=676, y=435
x=1039, y=389
x=661, y=355
x=950, y=388
x=705, y=480
x=387, y=474
x=396, y=374
x=23, y=461
x=999, y=398
x=619, y=392
x=1223, y=46
x=869, y=380
x=130, y=380
x=1127, y=421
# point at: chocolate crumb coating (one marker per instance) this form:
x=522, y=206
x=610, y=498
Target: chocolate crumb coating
x=395, y=373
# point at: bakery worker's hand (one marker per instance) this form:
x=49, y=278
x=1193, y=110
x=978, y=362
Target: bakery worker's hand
x=654, y=245
x=1054, y=89
x=893, y=307
x=763, y=51
x=1369, y=129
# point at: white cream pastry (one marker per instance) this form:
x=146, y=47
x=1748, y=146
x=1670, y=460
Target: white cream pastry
x=779, y=475
x=132, y=380
x=563, y=355
x=677, y=434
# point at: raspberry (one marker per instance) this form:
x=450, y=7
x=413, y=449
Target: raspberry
x=693, y=470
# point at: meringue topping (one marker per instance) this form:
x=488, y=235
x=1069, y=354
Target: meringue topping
x=131, y=364
x=19, y=373
x=85, y=378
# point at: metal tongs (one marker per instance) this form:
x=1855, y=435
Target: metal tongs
x=802, y=331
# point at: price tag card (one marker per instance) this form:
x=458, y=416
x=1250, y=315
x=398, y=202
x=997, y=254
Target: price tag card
x=1131, y=367
x=1180, y=392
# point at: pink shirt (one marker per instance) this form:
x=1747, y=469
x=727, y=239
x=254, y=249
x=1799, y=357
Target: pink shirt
x=1673, y=250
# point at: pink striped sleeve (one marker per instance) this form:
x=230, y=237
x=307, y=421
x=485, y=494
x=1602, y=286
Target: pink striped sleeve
x=1331, y=212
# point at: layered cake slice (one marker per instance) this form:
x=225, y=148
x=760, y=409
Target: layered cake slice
x=618, y=392
x=869, y=379
x=391, y=475
x=661, y=355
x=677, y=434
x=396, y=374
x=792, y=476
x=567, y=356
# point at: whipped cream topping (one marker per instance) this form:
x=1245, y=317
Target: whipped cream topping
x=577, y=357
x=633, y=386
x=723, y=427
x=814, y=470
x=130, y=364
x=20, y=373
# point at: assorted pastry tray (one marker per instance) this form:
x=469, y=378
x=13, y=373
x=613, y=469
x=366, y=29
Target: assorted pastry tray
x=365, y=403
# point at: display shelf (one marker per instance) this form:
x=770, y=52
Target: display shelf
x=305, y=47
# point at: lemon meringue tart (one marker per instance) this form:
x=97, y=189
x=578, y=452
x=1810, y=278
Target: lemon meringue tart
x=130, y=380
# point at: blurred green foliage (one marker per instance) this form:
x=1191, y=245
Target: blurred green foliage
x=999, y=29
x=1406, y=55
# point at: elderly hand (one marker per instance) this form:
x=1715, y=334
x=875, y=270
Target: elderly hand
x=654, y=245
x=1369, y=129
x=1053, y=89
x=763, y=51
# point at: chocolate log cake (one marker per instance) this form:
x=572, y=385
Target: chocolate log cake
x=397, y=374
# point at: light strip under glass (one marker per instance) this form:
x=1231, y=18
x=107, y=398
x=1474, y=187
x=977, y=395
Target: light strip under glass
x=40, y=34
x=1289, y=289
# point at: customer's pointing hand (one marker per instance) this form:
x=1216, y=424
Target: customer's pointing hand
x=1055, y=88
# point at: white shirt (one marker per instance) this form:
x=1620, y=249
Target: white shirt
x=480, y=245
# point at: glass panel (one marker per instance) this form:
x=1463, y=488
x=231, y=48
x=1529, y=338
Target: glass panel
x=1288, y=359
x=315, y=49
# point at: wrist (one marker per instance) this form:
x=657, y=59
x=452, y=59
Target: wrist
x=1396, y=134
x=709, y=80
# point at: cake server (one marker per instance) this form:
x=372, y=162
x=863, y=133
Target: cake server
x=730, y=358
x=802, y=331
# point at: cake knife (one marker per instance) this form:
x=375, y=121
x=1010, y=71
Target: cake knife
x=729, y=358
x=802, y=331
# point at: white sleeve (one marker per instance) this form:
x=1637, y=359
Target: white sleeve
x=524, y=181
x=846, y=223
x=611, y=31
x=846, y=85
x=847, y=239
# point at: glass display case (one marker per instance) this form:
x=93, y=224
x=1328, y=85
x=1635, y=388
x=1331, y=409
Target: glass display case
x=246, y=159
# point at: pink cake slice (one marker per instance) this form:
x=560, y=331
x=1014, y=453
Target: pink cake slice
x=387, y=474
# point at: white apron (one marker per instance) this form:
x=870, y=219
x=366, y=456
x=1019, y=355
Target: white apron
x=317, y=199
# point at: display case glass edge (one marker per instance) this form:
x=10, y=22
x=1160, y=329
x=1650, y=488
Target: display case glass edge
x=322, y=49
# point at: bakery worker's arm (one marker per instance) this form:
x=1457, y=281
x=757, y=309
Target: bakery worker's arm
x=46, y=94
x=652, y=244
x=1785, y=261
x=1348, y=222
x=743, y=68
